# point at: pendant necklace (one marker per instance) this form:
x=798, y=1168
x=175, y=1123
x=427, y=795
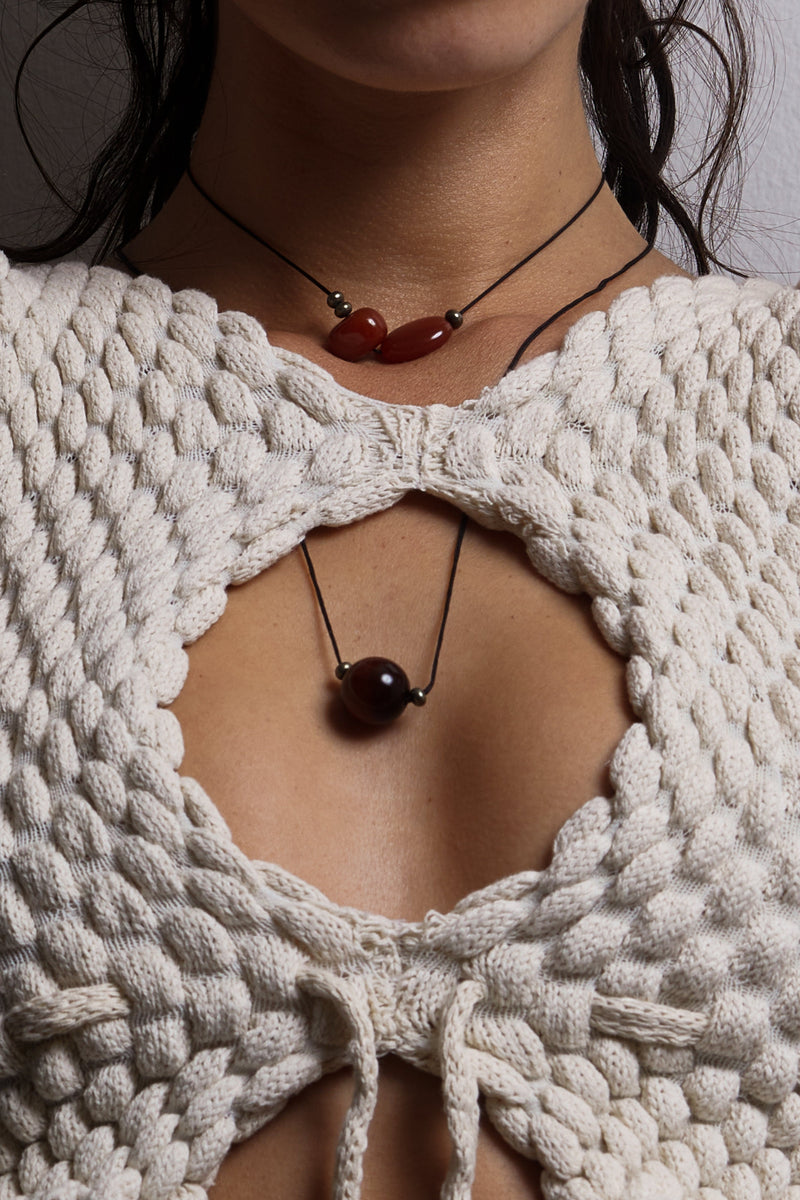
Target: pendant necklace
x=375, y=691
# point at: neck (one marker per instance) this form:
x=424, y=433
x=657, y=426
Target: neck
x=409, y=201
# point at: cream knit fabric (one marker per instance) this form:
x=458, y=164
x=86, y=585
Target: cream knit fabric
x=631, y=1014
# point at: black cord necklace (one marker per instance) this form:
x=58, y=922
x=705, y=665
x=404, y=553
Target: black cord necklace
x=376, y=690
x=365, y=330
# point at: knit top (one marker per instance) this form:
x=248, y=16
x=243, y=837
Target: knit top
x=630, y=1014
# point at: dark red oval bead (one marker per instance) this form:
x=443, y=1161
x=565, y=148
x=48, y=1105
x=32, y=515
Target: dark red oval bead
x=375, y=690
x=357, y=334
x=415, y=339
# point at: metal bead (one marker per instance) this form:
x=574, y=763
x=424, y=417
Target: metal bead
x=454, y=317
x=342, y=668
x=344, y=309
x=417, y=696
x=335, y=298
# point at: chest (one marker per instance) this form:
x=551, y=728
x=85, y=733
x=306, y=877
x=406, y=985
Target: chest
x=527, y=708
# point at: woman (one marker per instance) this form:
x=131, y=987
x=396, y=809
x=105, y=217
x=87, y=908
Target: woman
x=581, y=847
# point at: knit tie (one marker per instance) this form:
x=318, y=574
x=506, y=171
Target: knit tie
x=459, y=1082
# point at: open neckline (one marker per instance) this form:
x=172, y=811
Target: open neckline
x=332, y=400
x=358, y=405
x=490, y=394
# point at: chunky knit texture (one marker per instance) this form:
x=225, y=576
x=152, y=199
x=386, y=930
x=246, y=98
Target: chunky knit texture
x=631, y=1014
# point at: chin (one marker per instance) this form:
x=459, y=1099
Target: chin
x=417, y=45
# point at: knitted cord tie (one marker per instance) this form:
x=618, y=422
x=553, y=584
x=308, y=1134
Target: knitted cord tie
x=349, y=997
x=466, y=1068
x=459, y=1082
x=65, y=1012
x=643, y=1021
x=461, y=1092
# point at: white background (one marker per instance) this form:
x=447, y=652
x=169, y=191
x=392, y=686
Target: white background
x=74, y=84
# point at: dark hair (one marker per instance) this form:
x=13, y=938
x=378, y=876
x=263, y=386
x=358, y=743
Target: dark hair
x=627, y=60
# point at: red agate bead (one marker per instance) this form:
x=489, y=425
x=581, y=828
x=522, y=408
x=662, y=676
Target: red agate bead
x=415, y=339
x=357, y=334
x=375, y=690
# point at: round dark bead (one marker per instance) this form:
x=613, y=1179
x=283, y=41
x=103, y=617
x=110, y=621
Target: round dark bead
x=344, y=309
x=334, y=298
x=375, y=690
x=454, y=318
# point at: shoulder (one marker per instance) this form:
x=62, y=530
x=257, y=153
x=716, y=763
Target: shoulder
x=711, y=342
x=56, y=315
x=50, y=291
x=725, y=398
x=72, y=319
x=678, y=302
x=56, y=295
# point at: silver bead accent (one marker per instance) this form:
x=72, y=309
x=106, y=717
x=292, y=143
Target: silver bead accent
x=342, y=668
x=344, y=309
x=454, y=317
x=335, y=298
x=417, y=696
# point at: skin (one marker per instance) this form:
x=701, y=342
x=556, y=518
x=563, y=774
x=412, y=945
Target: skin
x=407, y=152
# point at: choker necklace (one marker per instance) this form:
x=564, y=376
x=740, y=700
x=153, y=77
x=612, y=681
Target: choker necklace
x=375, y=690
x=365, y=330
